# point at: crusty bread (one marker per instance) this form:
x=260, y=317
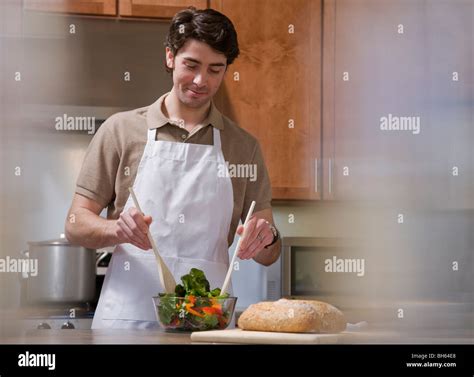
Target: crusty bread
x=278, y=316
x=292, y=316
x=332, y=319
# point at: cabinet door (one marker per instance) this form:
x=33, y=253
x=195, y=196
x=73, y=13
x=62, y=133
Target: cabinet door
x=273, y=88
x=95, y=7
x=395, y=121
x=157, y=8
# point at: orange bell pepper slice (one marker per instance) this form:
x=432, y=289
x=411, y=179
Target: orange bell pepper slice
x=209, y=310
x=192, y=311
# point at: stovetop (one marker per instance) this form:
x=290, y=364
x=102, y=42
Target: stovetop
x=57, y=317
x=55, y=310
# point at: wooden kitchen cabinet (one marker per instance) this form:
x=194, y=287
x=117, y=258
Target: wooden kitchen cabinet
x=157, y=8
x=387, y=60
x=164, y=9
x=370, y=71
x=93, y=7
x=273, y=89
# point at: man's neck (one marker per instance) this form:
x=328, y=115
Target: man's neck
x=175, y=110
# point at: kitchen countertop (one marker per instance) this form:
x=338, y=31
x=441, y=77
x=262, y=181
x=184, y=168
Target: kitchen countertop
x=103, y=336
x=157, y=337
x=12, y=331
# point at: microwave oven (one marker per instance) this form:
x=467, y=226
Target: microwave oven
x=333, y=270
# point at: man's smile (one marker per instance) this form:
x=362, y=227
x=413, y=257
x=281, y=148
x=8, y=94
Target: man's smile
x=196, y=93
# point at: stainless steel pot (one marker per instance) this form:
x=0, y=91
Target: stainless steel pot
x=66, y=273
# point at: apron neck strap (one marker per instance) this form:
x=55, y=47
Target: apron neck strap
x=152, y=134
x=217, y=137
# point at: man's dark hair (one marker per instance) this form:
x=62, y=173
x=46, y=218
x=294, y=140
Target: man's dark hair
x=204, y=25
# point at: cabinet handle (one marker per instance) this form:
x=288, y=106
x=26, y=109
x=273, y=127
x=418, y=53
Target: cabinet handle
x=316, y=175
x=330, y=175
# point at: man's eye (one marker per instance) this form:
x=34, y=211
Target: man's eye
x=214, y=71
x=190, y=66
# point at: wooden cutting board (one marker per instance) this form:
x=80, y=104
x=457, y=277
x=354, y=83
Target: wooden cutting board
x=261, y=337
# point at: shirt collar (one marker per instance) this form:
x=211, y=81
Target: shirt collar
x=156, y=119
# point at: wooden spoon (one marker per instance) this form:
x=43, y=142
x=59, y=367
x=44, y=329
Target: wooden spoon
x=166, y=277
x=231, y=266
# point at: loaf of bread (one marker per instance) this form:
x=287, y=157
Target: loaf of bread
x=331, y=318
x=279, y=316
x=293, y=316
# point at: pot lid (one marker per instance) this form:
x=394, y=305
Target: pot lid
x=58, y=241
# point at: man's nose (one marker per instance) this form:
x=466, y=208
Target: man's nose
x=200, y=79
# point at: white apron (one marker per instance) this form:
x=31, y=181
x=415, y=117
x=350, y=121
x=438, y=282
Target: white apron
x=191, y=205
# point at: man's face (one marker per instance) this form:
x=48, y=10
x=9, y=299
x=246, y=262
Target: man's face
x=198, y=71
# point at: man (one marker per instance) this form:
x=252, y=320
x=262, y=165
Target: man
x=173, y=152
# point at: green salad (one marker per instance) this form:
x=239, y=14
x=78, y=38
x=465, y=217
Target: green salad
x=193, y=306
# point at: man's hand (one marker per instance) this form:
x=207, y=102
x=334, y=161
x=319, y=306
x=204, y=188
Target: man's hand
x=256, y=236
x=132, y=227
x=85, y=227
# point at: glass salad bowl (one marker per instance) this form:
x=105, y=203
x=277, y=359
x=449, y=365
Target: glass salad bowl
x=193, y=313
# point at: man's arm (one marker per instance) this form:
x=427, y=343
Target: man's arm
x=256, y=236
x=85, y=227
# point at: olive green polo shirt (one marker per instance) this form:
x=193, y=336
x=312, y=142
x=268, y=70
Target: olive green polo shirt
x=112, y=158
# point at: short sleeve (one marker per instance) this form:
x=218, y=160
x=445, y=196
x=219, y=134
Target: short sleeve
x=98, y=174
x=258, y=186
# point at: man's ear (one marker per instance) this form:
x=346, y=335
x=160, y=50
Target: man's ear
x=169, y=58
